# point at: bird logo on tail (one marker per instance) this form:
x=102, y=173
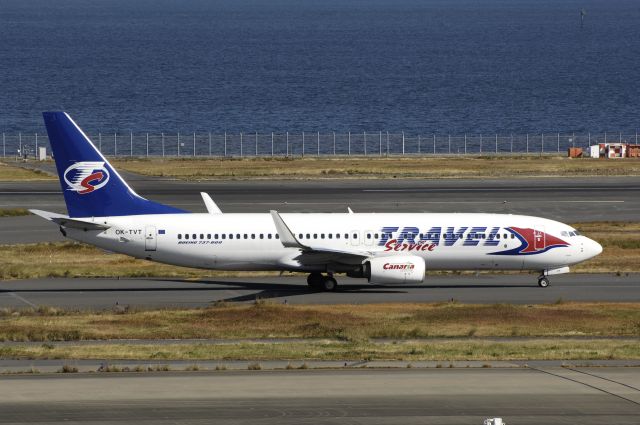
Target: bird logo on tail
x=86, y=176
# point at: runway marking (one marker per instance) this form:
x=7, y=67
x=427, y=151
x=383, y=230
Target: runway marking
x=606, y=379
x=597, y=388
x=29, y=303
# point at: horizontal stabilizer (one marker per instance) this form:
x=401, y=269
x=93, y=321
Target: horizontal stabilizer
x=72, y=223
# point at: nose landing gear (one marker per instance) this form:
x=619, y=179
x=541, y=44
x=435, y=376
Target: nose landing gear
x=543, y=281
x=323, y=283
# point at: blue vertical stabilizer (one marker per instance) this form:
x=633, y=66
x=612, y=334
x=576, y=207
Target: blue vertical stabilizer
x=91, y=187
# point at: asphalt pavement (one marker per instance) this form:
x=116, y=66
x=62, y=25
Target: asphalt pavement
x=97, y=293
x=543, y=395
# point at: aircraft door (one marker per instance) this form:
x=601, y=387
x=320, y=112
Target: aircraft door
x=150, y=238
x=368, y=237
x=539, y=237
x=354, y=235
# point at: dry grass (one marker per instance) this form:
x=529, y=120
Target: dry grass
x=13, y=172
x=13, y=212
x=621, y=246
x=372, y=167
x=353, y=323
x=332, y=350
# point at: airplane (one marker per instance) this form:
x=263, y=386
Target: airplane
x=384, y=248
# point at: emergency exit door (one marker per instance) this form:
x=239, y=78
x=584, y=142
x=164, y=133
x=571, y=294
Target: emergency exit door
x=150, y=238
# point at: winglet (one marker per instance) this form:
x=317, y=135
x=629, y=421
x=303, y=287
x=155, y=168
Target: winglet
x=349, y=210
x=212, y=208
x=287, y=237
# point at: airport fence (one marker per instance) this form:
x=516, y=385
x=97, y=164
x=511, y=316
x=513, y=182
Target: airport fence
x=316, y=144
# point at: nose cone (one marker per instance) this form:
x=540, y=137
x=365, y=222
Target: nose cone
x=593, y=248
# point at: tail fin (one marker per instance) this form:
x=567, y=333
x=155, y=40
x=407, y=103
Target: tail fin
x=91, y=187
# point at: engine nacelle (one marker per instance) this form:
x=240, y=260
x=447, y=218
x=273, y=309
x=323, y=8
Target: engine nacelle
x=395, y=270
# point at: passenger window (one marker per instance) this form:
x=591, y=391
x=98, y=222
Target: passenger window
x=498, y=236
x=321, y=235
x=215, y=236
x=330, y=235
x=208, y=235
x=261, y=235
x=277, y=236
x=224, y=236
x=308, y=236
x=253, y=236
x=315, y=236
x=230, y=235
x=337, y=235
x=246, y=236
x=186, y=236
x=355, y=236
x=346, y=236
x=269, y=236
x=513, y=236
x=237, y=235
x=368, y=235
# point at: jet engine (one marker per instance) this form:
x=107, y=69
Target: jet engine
x=395, y=270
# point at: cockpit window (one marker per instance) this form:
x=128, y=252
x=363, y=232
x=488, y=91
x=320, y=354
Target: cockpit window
x=577, y=233
x=564, y=233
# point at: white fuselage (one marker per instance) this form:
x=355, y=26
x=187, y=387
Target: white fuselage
x=250, y=241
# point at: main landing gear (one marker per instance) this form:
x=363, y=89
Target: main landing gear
x=543, y=281
x=323, y=283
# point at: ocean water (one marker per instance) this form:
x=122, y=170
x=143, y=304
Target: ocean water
x=419, y=66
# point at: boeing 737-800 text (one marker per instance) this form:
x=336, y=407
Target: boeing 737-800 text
x=383, y=248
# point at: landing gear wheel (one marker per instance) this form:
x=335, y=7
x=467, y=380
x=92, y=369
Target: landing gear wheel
x=329, y=284
x=314, y=280
x=543, y=282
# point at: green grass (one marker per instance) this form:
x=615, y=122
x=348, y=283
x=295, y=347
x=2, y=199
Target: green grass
x=331, y=350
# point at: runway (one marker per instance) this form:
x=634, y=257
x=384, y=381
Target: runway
x=83, y=293
x=564, y=199
x=545, y=395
